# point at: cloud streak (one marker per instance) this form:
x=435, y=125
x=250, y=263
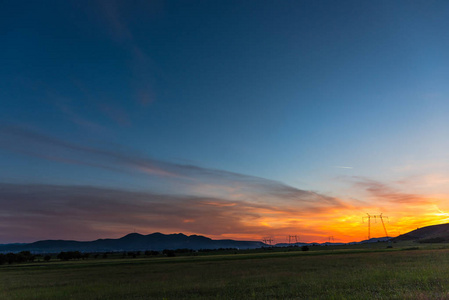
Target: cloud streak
x=216, y=203
x=407, y=210
x=111, y=12
x=385, y=192
x=31, y=142
x=82, y=212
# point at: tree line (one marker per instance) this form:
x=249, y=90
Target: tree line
x=21, y=257
x=27, y=256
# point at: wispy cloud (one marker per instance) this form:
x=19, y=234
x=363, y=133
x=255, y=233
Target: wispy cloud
x=31, y=142
x=23, y=140
x=112, y=14
x=116, y=24
x=407, y=209
x=87, y=212
x=208, y=201
x=385, y=192
x=215, y=201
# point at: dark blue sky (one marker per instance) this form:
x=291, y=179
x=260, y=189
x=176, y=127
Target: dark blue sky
x=188, y=97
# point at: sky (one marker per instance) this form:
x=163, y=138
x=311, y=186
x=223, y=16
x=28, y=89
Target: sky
x=229, y=119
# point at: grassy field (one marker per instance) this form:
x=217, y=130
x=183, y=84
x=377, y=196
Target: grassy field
x=326, y=274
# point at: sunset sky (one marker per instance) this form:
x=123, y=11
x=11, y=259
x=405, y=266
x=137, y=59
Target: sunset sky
x=229, y=119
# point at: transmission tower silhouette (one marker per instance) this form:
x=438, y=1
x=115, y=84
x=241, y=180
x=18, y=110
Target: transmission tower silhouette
x=267, y=240
x=369, y=217
x=292, y=238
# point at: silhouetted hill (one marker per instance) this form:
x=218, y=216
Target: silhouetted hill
x=132, y=242
x=429, y=234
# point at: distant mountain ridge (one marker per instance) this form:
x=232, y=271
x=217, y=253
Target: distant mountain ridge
x=158, y=241
x=132, y=242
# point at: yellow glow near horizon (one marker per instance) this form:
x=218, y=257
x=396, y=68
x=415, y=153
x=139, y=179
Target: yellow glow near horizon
x=343, y=228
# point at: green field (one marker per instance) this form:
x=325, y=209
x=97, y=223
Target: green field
x=317, y=274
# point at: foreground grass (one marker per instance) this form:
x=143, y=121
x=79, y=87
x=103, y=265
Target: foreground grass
x=420, y=274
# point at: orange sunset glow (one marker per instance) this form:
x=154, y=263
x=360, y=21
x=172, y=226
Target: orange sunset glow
x=239, y=120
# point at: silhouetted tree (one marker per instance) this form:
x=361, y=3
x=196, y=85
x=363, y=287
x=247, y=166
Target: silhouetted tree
x=10, y=258
x=169, y=253
x=183, y=250
x=69, y=255
x=27, y=256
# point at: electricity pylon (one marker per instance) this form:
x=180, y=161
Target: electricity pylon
x=383, y=224
x=267, y=240
x=369, y=223
x=291, y=237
